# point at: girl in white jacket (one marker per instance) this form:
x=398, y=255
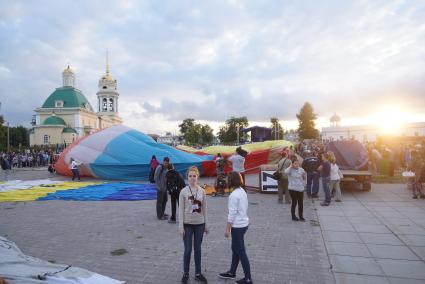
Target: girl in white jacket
x=335, y=177
x=237, y=225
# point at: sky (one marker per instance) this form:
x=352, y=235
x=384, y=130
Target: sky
x=210, y=60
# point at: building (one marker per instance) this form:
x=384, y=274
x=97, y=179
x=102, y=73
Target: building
x=368, y=133
x=169, y=139
x=67, y=115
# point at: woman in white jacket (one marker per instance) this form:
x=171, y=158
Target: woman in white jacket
x=336, y=176
x=237, y=225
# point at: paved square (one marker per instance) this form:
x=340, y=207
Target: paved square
x=370, y=237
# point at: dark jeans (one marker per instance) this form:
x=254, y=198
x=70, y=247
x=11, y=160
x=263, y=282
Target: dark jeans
x=326, y=189
x=297, y=199
x=312, y=180
x=195, y=232
x=75, y=174
x=161, y=203
x=239, y=253
x=151, y=176
x=174, y=203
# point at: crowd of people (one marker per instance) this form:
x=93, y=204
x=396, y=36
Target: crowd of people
x=26, y=159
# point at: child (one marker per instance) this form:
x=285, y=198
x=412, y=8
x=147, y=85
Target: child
x=296, y=185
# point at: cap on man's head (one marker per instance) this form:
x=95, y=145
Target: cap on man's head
x=166, y=159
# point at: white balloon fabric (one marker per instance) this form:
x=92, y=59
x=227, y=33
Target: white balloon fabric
x=16, y=267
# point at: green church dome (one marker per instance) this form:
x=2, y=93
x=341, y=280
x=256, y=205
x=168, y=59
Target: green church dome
x=54, y=120
x=69, y=130
x=70, y=96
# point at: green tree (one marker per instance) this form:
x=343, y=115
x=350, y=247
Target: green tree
x=207, y=135
x=186, y=125
x=196, y=133
x=306, y=118
x=19, y=135
x=277, y=129
x=228, y=132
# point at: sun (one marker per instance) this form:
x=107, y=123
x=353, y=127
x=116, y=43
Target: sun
x=390, y=120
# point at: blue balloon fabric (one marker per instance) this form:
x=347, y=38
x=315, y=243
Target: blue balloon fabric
x=123, y=153
x=109, y=191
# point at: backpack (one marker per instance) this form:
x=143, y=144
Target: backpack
x=174, y=181
x=220, y=164
x=221, y=182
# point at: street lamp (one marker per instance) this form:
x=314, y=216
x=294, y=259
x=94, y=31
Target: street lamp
x=237, y=132
x=8, y=138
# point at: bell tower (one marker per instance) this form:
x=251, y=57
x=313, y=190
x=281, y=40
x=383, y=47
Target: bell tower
x=108, y=96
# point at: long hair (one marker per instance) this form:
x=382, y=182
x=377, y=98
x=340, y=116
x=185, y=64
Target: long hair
x=234, y=180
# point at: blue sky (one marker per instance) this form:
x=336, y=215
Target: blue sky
x=210, y=60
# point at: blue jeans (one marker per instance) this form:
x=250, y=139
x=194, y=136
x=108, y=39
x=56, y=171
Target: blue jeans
x=326, y=189
x=312, y=179
x=195, y=232
x=239, y=253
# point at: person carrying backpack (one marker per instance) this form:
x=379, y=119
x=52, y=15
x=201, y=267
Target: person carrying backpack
x=160, y=178
x=175, y=183
x=220, y=183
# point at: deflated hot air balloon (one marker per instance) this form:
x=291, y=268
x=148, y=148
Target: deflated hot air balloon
x=260, y=153
x=122, y=153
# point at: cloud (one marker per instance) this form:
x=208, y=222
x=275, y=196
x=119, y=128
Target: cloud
x=210, y=60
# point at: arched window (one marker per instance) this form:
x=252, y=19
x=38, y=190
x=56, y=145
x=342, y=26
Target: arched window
x=111, y=104
x=104, y=104
x=46, y=139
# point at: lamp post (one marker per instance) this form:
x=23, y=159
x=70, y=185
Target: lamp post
x=8, y=138
x=237, y=132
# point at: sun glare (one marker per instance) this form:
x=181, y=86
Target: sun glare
x=389, y=120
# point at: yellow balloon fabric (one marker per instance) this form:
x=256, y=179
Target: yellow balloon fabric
x=40, y=191
x=214, y=150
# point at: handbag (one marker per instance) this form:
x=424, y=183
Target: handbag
x=277, y=175
x=341, y=176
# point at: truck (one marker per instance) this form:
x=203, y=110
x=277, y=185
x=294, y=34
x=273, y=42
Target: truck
x=352, y=159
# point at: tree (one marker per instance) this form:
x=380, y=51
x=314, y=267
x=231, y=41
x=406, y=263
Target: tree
x=306, y=118
x=228, y=132
x=196, y=133
x=186, y=125
x=19, y=135
x=277, y=129
x=207, y=135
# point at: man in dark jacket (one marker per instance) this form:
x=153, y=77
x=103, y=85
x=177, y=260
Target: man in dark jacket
x=161, y=188
x=310, y=165
x=175, y=183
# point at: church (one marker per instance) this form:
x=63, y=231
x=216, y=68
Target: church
x=67, y=115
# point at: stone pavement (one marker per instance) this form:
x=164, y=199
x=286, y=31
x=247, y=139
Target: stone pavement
x=85, y=233
x=371, y=237
x=376, y=237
